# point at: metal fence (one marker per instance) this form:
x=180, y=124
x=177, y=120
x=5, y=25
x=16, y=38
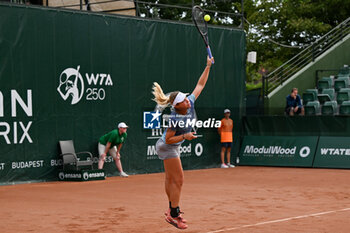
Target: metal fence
x=309, y=54
x=154, y=9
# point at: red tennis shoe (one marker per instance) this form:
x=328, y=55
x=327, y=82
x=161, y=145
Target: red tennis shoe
x=167, y=213
x=176, y=222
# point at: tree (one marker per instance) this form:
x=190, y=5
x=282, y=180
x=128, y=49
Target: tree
x=160, y=9
x=293, y=23
x=276, y=29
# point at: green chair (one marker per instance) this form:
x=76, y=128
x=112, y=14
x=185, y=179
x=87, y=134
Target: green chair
x=329, y=108
x=343, y=75
x=325, y=82
x=341, y=82
x=343, y=95
x=327, y=95
x=345, y=108
x=310, y=95
x=345, y=71
x=312, y=108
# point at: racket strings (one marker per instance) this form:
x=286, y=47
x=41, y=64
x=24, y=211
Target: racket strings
x=198, y=16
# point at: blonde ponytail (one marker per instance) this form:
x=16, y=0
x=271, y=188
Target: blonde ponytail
x=160, y=98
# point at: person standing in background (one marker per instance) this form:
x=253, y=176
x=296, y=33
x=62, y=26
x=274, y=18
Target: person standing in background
x=225, y=132
x=112, y=143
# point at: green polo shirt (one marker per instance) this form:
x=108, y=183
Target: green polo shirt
x=113, y=137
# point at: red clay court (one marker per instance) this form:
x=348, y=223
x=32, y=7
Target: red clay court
x=242, y=199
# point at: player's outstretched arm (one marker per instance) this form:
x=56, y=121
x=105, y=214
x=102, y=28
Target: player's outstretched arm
x=203, y=79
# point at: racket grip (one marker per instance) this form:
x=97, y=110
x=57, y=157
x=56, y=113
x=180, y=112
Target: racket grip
x=209, y=53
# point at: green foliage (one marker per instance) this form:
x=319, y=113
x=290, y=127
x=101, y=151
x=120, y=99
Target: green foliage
x=162, y=11
x=252, y=86
x=294, y=23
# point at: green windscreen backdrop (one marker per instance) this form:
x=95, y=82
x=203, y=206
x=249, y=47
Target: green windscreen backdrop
x=296, y=126
x=75, y=75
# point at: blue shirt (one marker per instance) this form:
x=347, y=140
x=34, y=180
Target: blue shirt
x=291, y=102
x=175, y=121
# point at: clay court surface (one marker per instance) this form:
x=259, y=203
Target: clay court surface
x=242, y=199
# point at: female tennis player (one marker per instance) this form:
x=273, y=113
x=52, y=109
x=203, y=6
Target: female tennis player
x=168, y=146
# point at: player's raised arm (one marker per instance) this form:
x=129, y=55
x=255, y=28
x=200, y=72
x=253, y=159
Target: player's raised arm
x=203, y=78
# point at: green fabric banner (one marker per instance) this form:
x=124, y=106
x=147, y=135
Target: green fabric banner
x=333, y=152
x=278, y=151
x=296, y=126
x=74, y=75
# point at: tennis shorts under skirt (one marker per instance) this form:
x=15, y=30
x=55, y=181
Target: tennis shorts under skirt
x=167, y=151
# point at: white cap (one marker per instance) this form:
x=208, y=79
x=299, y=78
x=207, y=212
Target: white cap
x=227, y=110
x=122, y=125
x=179, y=98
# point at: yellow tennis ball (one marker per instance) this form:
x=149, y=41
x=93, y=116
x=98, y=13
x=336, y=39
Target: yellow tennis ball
x=207, y=18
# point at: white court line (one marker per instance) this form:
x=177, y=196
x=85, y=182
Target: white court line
x=280, y=220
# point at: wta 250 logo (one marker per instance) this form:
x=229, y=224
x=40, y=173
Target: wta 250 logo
x=72, y=86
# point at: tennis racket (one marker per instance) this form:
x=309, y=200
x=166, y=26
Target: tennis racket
x=201, y=24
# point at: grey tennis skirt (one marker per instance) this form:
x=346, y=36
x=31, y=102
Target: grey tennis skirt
x=167, y=151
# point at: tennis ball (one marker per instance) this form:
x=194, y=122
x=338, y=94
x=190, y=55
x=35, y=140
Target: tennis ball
x=207, y=18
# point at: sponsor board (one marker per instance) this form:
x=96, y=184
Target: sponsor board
x=278, y=151
x=81, y=93
x=333, y=152
x=81, y=175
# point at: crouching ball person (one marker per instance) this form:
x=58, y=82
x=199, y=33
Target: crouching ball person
x=168, y=146
x=111, y=143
